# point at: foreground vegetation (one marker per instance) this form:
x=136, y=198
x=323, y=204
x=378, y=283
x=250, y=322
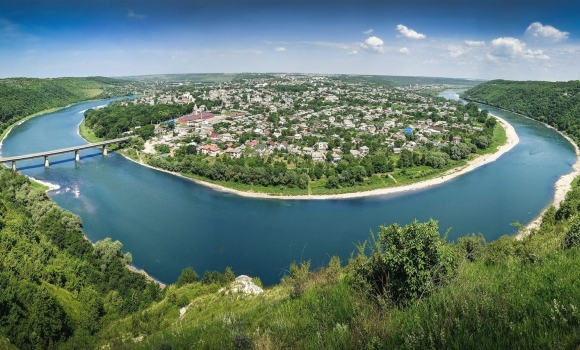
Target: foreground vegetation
x=54, y=284
x=405, y=288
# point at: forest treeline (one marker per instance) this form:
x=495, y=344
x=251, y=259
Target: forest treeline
x=54, y=284
x=554, y=103
x=20, y=97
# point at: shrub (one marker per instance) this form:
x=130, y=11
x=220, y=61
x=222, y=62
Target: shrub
x=471, y=247
x=188, y=275
x=298, y=278
x=406, y=263
x=572, y=237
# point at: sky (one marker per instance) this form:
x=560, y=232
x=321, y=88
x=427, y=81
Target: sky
x=487, y=39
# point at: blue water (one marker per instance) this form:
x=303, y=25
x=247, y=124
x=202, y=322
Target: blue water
x=169, y=223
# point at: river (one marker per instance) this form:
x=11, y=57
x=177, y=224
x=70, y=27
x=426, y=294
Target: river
x=169, y=223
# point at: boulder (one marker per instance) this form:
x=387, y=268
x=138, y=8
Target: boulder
x=244, y=284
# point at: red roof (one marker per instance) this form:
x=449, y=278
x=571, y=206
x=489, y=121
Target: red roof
x=203, y=115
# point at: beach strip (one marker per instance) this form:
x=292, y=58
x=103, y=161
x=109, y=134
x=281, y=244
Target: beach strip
x=561, y=188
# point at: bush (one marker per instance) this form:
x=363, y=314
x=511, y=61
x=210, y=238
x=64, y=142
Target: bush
x=188, y=275
x=572, y=237
x=471, y=247
x=222, y=279
x=298, y=278
x=406, y=263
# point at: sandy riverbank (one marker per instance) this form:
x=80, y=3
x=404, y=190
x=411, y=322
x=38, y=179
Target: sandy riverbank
x=50, y=185
x=512, y=140
x=147, y=276
x=561, y=187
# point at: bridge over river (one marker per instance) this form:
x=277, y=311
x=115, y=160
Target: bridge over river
x=75, y=149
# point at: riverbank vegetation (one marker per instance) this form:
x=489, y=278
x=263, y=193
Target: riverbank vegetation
x=55, y=286
x=554, y=103
x=21, y=97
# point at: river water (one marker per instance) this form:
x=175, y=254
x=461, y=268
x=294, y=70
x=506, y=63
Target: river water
x=169, y=223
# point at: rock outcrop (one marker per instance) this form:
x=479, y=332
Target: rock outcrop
x=244, y=284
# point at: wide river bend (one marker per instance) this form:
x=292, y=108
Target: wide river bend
x=168, y=223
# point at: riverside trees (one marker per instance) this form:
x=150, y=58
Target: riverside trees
x=54, y=285
x=554, y=103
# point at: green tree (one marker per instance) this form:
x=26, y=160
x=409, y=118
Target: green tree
x=108, y=251
x=164, y=149
x=188, y=275
x=482, y=142
x=490, y=122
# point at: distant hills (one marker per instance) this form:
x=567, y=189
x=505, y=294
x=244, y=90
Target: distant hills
x=20, y=97
x=375, y=79
x=554, y=103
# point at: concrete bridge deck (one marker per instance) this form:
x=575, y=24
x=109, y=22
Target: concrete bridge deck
x=75, y=149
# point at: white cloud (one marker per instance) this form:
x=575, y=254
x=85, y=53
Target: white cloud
x=513, y=48
x=405, y=32
x=546, y=33
x=455, y=51
x=280, y=49
x=404, y=50
x=353, y=52
x=474, y=43
x=132, y=14
x=373, y=43
x=367, y=32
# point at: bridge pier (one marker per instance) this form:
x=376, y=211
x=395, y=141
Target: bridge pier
x=76, y=149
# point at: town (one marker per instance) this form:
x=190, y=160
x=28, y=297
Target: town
x=295, y=119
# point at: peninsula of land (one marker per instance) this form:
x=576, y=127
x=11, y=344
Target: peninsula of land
x=303, y=136
x=512, y=140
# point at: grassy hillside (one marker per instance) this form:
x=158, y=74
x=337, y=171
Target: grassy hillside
x=505, y=294
x=407, y=288
x=55, y=286
x=20, y=97
x=554, y=103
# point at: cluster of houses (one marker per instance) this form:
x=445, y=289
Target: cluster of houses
x=387, y=113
